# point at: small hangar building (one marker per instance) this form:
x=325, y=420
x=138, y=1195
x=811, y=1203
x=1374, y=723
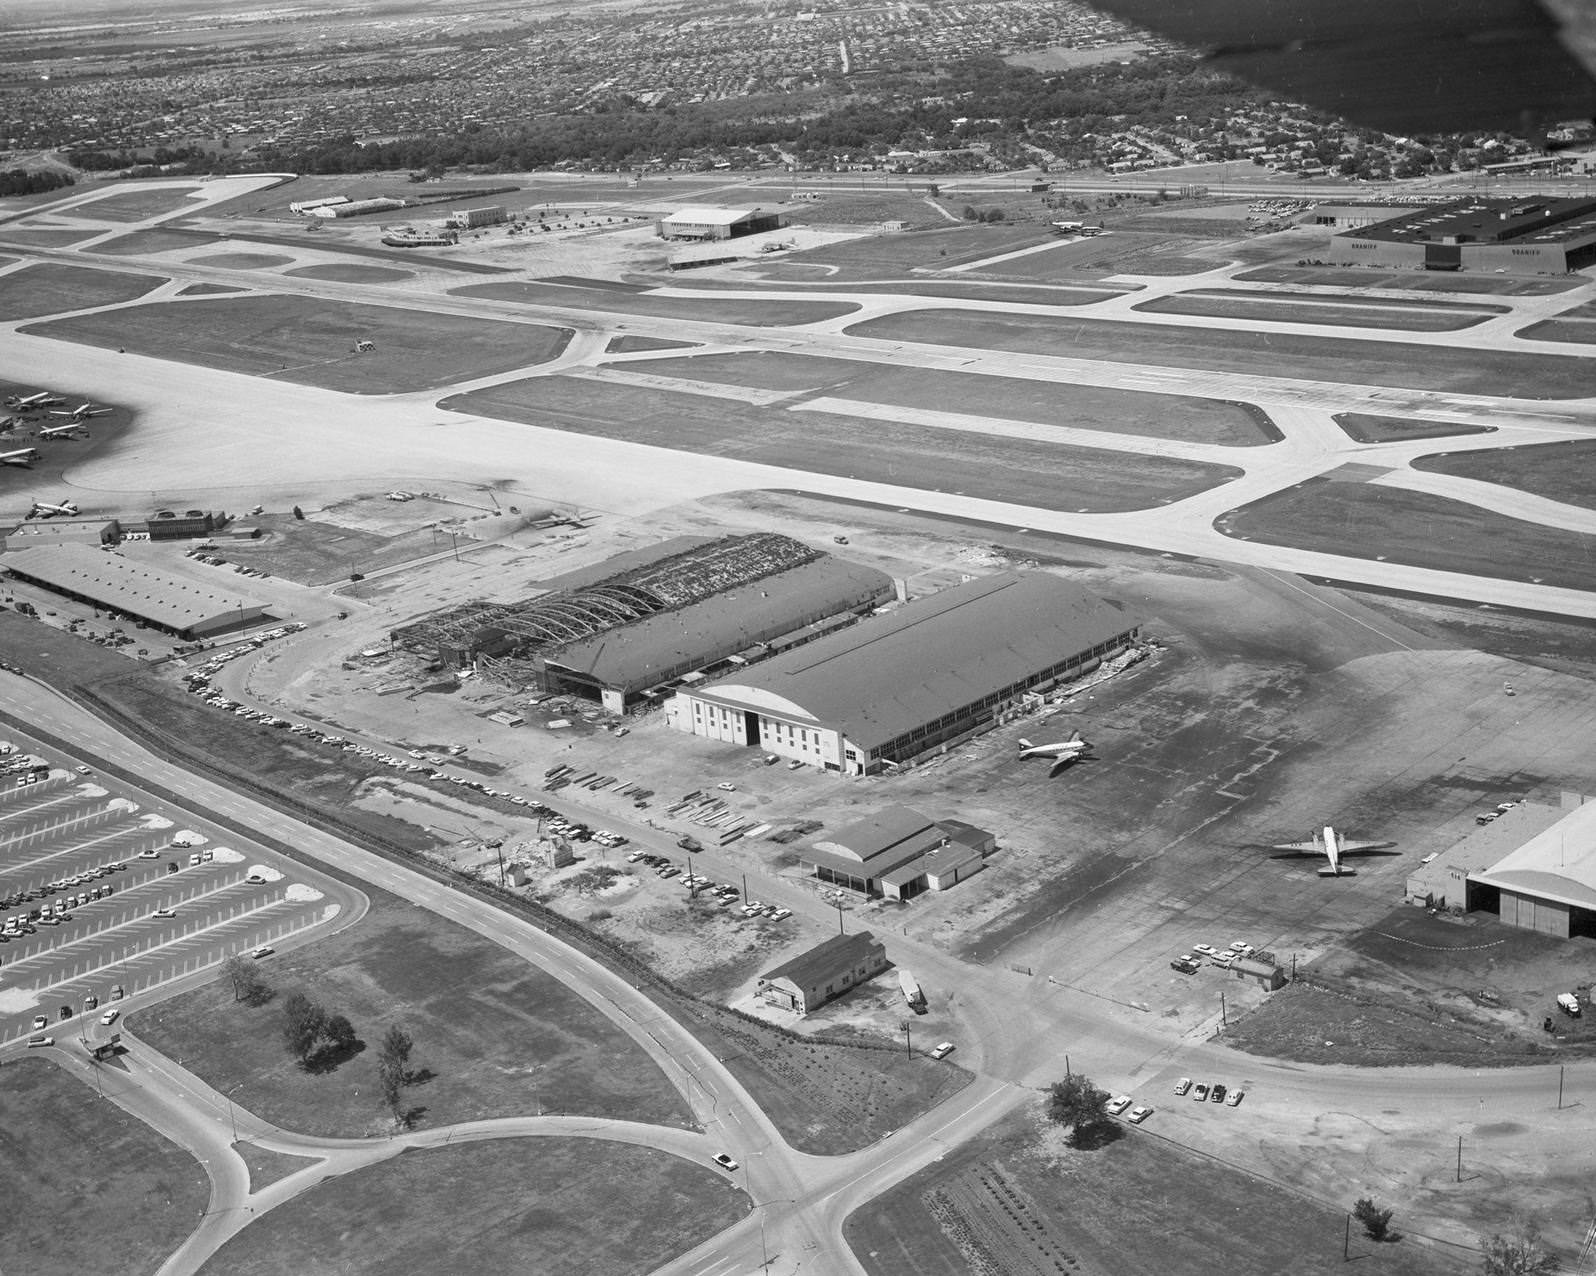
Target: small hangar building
x=704, y=223
x=824, y=973
x=924, y=677
x=111, y=582
x=898, y=853
x=1535, y=868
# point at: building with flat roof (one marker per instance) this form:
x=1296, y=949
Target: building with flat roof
x=129, y=589
x=1534, y=234
x=926, y=676
x=700, y=222
x=898, y=853
x=823, y=973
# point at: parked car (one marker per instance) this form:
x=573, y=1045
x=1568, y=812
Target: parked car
x=1183, y=1086
x=1140, y=1114
x=1200, y=1092
x=724, y=1161
x=1218, y=1093
x=1235, y=1097
x=942, y=1051
x=1118, y=1105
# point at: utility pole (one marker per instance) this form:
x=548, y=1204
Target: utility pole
x=1460, y=1158
x=1559, y=1087
x=1224, y=1021
x=1346, y=1242
x=908, y=1045
x=841, y=929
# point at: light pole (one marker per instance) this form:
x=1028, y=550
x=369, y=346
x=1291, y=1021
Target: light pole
x=232, y=1112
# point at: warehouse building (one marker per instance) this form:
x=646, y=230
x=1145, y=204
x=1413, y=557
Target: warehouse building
x=358, y=207
x=1534, y=867
x=824, y=973
x=925, y=677
x=471, y=218
x=702, y=223
x=133, y=591
x=1530, y=234
x=899, y=853
x=627, y=630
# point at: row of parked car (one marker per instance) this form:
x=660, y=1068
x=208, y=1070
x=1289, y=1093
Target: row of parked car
x=1190, y=963
x=1205, y=1092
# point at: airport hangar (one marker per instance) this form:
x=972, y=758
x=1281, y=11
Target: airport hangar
x=626, y=631
x=1529, y=234
x=112, y=583
x=704, y=223
x=924, y=677
x=1534, y=867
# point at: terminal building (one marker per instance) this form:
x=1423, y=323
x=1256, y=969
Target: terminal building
x=1534, y=867
x=899, y=853
x=123, y=588
x=924, y=677
x=471, y=218
x=1531, y=234
x=702, y=223
x=628, y=630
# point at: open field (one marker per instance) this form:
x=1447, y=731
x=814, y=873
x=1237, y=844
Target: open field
x=1368, y=521
x=82, y=1180
x=312, y=341
x=579, y=1207
x=1013, y=398
x=1121, y=252
x=312, y=551
x=995, y=467
x=161, y=240
x=135, y=206
x=1530, y=376
x=1366, y=428
x=46, y=236
x=350, y=273
x=1557, y=471
x=494, y=1036
x=51, y=289
x=1375, y=313
x=931, y=286
x=733, y=309
x=1017, y=1199
x=634, y=345
x=1415, y=280
x=1063, y=58
x=207, y=290
x=894, y=256
x=241, y=261
x=1581, y=332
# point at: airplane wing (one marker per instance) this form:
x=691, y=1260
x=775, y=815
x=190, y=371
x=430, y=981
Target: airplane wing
x=1366, y=848
x=1420, y=66
x=1300, y=848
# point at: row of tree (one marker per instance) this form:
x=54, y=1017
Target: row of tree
x=20, y=181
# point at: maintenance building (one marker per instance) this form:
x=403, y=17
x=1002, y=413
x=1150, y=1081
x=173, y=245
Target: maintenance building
x=123, y=588
x=1533, y=234
x=924, y=677
x=702, y=223
x=824, y=973
x=899, y=853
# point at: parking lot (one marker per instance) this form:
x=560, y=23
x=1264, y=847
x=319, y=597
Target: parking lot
x=102, y=897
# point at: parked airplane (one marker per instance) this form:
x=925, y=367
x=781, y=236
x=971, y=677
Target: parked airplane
x=1062, y=753
x=58, y=431
x=43, y=509
x=22, y=456
x=84, y=411
x=41, y=400
x=1332, y=846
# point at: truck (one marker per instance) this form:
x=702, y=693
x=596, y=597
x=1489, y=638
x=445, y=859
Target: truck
x=689, y=843
x=1568, y=1003
x=911, y=991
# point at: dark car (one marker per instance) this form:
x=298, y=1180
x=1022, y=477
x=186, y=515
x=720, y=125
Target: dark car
x=1217, y=1094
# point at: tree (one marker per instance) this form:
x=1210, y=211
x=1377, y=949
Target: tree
x=1376, y=1222
x=303, y=1024
x=1518, y=1253
x=298, y=513
x=249, y=985
x=393, y=1066
x=1077, y=1103
x=339, y=1033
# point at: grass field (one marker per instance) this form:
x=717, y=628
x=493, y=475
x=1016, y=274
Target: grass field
x=951, y=286
x=1376, y=313
x=895, y=256
x=1580, y=332
x=51, y=289
x=579, y=1207
x=1366, y=428
x=1016, y=1201
x=241, y=261
x=634, y=345
x=1417, y=280
x=46, y=236
x=987, y=466
x=1012, y=398
x=1123, y=252
x=311, y=341
x=135, y=206
x=1366, y=521
x=266, y=1167
x=1557, y=471
x=142, y=242
x=1530, y=376
x=207, y=290
x=497, y=1036
x=747, y=311
x=82, y=1181
x=350, y=272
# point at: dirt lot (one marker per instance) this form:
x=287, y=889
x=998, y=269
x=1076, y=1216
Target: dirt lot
x=65, y=1148
x=1221, y=350
x=311, y=341
x=52, y=289
x=1319, y=514
x=493, y=1035
x=586, y=1207
x=1164, y=416
x=720, y=309
x=987, y=466
x=1017, y=1201
x=1285, y=309
x=1390, y=429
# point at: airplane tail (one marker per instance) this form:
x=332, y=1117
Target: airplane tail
x=1024, y=743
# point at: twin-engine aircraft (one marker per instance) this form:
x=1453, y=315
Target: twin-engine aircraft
x=1333, y=847
x=1063, y=753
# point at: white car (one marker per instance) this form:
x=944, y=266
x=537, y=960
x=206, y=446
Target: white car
x=725, y=1162
x=1139, y=1115
x=110, y=1017
x=942, y=1051
x=1183, y=1086
x=1116, y=1106
x=1207, y=950
x=729, y=788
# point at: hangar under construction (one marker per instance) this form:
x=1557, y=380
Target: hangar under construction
x=629, y=630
